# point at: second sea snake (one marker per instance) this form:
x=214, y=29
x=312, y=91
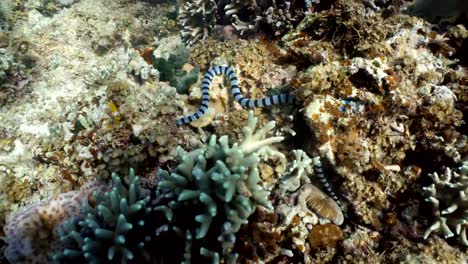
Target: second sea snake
x=323, y=179
x=283, y=98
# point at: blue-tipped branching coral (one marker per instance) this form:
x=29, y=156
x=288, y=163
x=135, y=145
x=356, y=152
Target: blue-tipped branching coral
x=213, y=191
x=112, y=227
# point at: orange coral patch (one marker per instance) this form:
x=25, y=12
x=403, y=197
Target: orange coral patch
x=146, y=54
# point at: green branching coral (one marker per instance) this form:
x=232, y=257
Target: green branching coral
x=213, y=191
x=193, y=216
x=111, y=229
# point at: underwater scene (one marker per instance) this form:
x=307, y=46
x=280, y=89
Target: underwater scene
x=234, y=131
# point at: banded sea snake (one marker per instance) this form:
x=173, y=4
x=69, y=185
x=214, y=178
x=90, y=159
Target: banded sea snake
x=283, y=98
x=324, y=179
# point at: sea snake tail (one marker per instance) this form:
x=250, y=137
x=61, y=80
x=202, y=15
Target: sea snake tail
x=236, y=93
x=324, y=180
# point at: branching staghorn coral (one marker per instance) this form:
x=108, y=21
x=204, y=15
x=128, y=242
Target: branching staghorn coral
x=217, y=187
x=298, y=172
x=278, y=15
x=448, y=194
x=197, y=17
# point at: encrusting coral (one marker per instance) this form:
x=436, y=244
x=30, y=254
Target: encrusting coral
x=448, y=195
x=327, y=235
x=260, y=239
x=170, y=69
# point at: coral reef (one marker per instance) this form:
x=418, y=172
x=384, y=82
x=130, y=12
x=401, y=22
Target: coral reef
x=360, y=102
x=90, y=89
x=70, y=127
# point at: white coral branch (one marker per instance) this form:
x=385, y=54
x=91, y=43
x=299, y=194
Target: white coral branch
x=256, y=141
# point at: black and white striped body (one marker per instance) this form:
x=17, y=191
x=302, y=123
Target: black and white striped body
x=324, y=180
x=236, y=93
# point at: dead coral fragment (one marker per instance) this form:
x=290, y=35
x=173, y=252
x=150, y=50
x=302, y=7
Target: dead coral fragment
x=321, y=203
